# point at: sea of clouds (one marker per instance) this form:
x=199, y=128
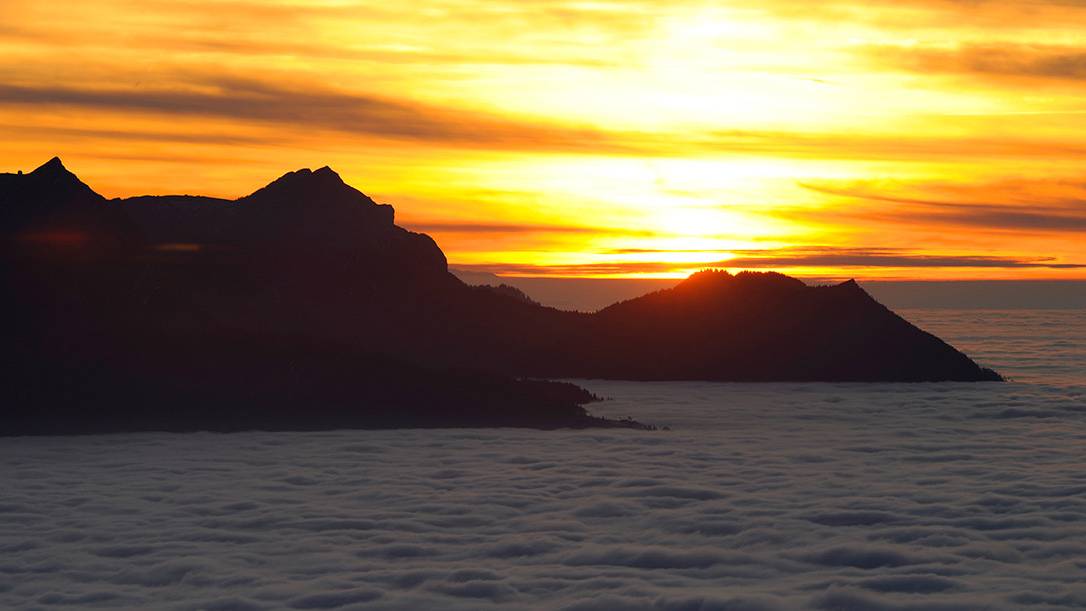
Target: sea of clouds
x=760, y=497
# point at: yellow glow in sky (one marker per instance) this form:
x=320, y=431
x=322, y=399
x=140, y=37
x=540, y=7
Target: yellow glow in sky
x=906, y=139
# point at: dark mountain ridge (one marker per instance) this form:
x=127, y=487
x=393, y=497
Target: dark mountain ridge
x=768, y=323
x=308, y=267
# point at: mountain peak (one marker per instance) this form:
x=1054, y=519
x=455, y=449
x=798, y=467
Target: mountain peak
x=324, y=180
x=720, y=277
x=329, y=206
x=708, y=276
x=53, y=166
x=853, y=288
x=51, y=180
x=327, y=172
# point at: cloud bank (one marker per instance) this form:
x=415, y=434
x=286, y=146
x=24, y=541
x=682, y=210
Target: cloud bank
x=913, y=497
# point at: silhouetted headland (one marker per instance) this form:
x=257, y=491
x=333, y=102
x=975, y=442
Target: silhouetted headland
x=303, y=305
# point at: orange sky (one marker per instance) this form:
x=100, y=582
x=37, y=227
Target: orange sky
x=905, y=139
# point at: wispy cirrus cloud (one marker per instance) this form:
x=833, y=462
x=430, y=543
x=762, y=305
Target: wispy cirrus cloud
x=821, y=256
x=302, y=105
x=519, y=228
x=579, y=269
x=1016, y=213
x=999, y=15
x=306, y=105
x=990, y=59
x=63, y=133
x=784, y=259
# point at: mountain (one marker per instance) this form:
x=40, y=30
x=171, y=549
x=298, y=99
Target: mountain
x=183, y=313
x=313, y=212
x=50, y=212
x=768, y=327
x=309, y=271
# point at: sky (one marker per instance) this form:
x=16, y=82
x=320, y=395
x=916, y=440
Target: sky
x=913, y=139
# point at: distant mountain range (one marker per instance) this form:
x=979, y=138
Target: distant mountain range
x=305, y=301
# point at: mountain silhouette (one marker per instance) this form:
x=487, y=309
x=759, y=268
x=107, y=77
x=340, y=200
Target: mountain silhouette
x=50, y=212
x=769, y=327
x=306, y=292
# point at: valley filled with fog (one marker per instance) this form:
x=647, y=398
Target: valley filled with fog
x=772, y=496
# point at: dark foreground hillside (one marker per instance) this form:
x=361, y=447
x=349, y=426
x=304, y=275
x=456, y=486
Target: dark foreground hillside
x=268, y=384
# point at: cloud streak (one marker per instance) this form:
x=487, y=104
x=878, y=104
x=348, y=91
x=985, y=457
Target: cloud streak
x=242, y=99
x=1061, y=215
x=1006, y=59
x=882, y=257
x=294, y=105
x=519, y=228
x=783, y=259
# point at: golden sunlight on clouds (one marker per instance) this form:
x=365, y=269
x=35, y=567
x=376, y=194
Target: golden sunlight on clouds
x=908, y=139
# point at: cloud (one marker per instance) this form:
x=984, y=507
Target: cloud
x=517, y=228
x=69, y=134
x=783, y=258
x=651, y=251
x=1044, y=214
x=875, y=144
x=991, y=15
x=792, y=496
x=989, y=59
x=582, y=269
x=304, y=105
x=296, y=103
x=881, y=257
